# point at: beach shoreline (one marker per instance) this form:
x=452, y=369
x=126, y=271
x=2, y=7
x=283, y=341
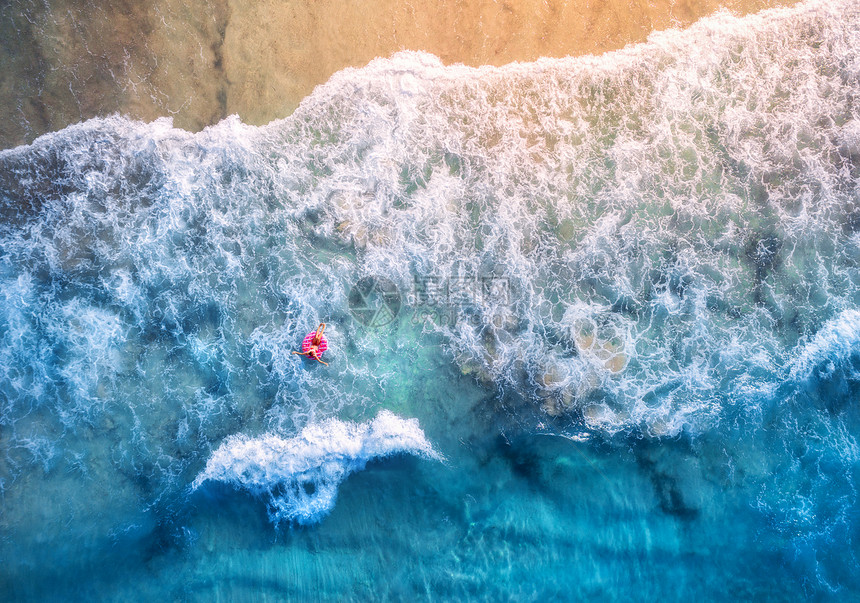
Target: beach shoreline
x=65, y=61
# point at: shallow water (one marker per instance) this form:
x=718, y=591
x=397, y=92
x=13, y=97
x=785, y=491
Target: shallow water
x=593, y=330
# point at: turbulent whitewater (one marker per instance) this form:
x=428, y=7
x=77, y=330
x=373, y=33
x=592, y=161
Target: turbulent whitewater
x=656, y=250
x=301, y=475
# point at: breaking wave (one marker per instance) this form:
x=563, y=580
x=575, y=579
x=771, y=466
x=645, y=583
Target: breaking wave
x=301, y=475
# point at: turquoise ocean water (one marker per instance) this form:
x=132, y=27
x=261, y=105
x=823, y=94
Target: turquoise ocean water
x=593, y=325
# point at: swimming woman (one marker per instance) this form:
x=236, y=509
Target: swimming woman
x=314, y=345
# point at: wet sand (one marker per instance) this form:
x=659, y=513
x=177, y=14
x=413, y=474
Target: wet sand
x=63, y=61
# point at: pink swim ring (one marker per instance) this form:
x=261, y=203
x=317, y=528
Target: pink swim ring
x=306, y=343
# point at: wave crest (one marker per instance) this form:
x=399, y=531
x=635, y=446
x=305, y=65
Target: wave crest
x=301, y=475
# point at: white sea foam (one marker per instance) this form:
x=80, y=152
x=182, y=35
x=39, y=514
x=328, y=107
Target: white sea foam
x=301, y=475
x=692, y=204
x=830, y=346
x=667, y=185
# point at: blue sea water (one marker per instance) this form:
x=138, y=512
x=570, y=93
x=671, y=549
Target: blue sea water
x=593, y=326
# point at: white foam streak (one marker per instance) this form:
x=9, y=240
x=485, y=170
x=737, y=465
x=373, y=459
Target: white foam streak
x=831, y=345
x=301, y=475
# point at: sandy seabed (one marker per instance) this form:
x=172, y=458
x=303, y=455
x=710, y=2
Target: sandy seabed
x=64, y=61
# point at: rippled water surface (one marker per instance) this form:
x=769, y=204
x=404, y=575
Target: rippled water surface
x=593, y=328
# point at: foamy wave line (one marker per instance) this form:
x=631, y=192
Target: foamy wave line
x=833, y=343
x=301, y=475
